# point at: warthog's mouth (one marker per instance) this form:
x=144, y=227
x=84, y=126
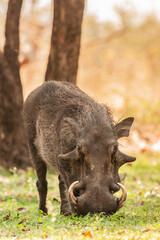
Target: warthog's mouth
x=120, y=201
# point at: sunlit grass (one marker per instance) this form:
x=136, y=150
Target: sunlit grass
x=138, y=219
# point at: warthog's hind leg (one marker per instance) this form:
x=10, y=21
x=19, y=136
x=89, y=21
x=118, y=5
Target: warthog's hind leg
x=41, y=170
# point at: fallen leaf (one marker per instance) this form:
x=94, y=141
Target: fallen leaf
x=142, y=203
x=26, y=229
x=23, y=220
x=146, y=230
x=88, y=234
x=22, y=209
x=7, y=217
x=44, y=236
x=119, y=233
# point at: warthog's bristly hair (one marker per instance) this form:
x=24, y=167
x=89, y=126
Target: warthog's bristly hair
x=69, y=131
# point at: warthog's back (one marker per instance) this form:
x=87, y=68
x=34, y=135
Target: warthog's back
x=45, y=111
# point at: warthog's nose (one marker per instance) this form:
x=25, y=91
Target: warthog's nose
x=79, y=189
x=95, y=200
x=114, y=188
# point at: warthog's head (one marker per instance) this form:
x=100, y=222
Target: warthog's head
x=92, y=172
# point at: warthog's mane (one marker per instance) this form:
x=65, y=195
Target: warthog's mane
x=74, y=103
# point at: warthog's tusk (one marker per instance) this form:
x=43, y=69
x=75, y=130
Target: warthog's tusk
x=123, y=198
x=72, y=198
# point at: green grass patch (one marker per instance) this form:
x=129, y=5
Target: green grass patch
x=138, y=219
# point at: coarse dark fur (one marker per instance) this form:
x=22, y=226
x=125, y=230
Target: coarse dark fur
x=70, y=132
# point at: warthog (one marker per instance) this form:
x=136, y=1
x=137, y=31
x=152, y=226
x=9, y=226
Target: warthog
x=70, y=132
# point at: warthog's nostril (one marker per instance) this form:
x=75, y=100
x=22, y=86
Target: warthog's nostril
x=79, y=189
x=78, y=192
x=114, y=188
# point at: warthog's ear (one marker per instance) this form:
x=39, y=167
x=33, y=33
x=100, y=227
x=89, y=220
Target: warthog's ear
x=122, y=128
x=73, y=155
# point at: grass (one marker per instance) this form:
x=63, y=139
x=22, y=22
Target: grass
x=138, y=219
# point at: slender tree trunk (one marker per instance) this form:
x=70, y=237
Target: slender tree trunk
x=65, y=40
x=13, y=146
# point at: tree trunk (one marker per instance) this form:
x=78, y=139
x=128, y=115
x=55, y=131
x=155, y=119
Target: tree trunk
x=65, y=40
x=13, y=146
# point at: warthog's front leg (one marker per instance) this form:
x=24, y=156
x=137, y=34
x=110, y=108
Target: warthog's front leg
x=65, y=205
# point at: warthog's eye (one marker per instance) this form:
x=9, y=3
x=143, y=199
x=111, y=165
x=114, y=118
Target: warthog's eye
x=115, y=149
x=80, y=154
x=79, y=147
x=81, y=150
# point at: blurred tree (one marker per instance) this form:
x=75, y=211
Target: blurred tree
x=13, y=146
x=62, y=65
x=65, y=40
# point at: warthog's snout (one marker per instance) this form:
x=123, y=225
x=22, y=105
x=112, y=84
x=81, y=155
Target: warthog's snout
x=94, y=199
